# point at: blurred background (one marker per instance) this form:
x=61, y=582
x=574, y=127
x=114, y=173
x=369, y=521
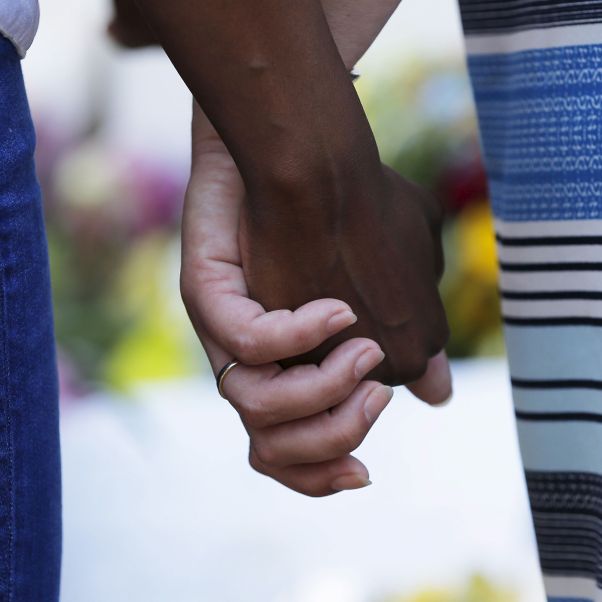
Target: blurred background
x=160, y=504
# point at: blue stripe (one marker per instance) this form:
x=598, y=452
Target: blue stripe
x=561, y=446
x=567, y=352
x=539, y=112
x=555, y=599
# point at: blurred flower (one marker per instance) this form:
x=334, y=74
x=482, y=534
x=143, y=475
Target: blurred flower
x=476, y=244
x=155, y=195
x=70, y=384
x=469, y=287
x=158, y=343
x=426, y=128
x=462, y=181
x=88, y=177
x=112, y=220
x=477, y=590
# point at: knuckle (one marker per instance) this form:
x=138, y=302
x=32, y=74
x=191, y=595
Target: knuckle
x=304, y=338
x=245, y=348
x=265, y=452
x=334, y=389
x=345, y=440
x=255, y=414
x=255, y=463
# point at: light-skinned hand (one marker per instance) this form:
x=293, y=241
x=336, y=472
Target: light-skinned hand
x=303, y=422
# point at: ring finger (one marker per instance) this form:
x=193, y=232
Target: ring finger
x=266, y=396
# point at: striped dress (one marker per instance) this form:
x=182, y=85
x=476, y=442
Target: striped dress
x=536, y=71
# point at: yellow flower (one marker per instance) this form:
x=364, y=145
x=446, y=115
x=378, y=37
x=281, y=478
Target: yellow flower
x=478, y=589
x=159, y=343
x=477, y=256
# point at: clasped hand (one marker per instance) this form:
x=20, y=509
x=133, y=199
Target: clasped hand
x=361, y=308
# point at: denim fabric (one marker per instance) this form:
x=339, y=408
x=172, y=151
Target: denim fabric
x=30, y=488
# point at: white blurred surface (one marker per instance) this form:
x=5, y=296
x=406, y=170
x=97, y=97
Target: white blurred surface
x=419, y=29
x=160, y=504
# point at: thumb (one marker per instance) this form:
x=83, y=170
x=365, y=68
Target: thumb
x=435, y=387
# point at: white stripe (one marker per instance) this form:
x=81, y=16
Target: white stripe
x=551, y=281
x=572, y=587
x=552, y=309
x=553, y=254
x=584, y=227
x=534, y=39
x=557, y=400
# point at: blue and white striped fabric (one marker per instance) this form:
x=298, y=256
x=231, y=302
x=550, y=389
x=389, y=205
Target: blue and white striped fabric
x=536, y=70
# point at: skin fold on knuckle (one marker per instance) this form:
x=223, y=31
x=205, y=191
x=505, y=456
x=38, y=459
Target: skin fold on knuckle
x=255, y=463
x=335, y=388
x=246, y=349
x=305, y=337
x=255, y=413
x=346, y=438
x=304, y=334
x=265, y=453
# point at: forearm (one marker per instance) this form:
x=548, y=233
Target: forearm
x=354, y=25
x=272, y=82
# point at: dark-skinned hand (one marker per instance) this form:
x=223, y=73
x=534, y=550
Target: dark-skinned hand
x=379, y=250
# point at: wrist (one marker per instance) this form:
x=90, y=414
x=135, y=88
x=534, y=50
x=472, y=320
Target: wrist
x=323, y=157
x=315, y=194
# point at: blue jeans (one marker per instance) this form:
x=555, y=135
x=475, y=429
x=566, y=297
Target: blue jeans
x=30, y=487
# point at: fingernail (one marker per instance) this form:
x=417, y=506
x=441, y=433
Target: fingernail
x=350, y=481
x=368, y=360
x=445, y=402
x=341, y=320
x=377, y=402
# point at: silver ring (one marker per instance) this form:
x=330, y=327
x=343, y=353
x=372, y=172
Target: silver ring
x=221, y=376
